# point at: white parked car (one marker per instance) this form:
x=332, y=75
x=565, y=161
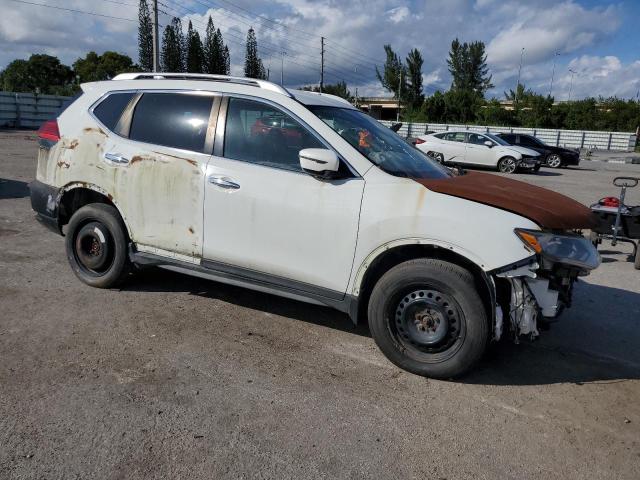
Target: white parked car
x=302, y=195
x=478, y=149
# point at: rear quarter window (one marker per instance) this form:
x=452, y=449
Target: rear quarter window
x=109, y=110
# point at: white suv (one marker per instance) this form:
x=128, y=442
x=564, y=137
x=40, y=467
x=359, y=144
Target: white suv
x=478, y=149
x=301, y=195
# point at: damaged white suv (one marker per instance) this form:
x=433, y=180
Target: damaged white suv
x=302, y=195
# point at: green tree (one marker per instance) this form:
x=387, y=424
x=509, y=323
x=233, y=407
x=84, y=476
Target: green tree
x=172, y=51
x=94, y=67
x=227, y=60
x=145, y=37
x=40, y=74
x=195, y=53
x=434, y=108
x=253, y=67
x=394, y=74
x=467, y=64
x=415, y=97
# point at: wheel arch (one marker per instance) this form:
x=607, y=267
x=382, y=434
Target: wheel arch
x=74, y=196
x=390, y=255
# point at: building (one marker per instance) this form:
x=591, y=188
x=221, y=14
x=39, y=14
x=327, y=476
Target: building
x=380, y=108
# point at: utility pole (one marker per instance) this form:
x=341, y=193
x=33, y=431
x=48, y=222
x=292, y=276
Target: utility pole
x=356, y=97
x=399, y=95
x=515, y=98
x=156, y=49
x=282, y=68
x=321, y=63
x=553, y=71
x=573, y=72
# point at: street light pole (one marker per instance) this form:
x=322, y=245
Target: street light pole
x=156, y=39
x=553, y=71
x=282, y=69
x=515, y=99
x=573, y=72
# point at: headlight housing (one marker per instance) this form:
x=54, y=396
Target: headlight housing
x=574, y=250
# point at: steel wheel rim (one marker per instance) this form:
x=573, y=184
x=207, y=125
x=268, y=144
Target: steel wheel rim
x=508, y=166
x=93, y=249
x=554, y=161
x=427, y=324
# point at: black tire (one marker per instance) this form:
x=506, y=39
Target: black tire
x=438, y=157
x=536, y=169
x=96, y=244
x=441, y=293
x=507, y=165
x=636, y=261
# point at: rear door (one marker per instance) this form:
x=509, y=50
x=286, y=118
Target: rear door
x=265, y=218
x=157, y=163
x=453, y=146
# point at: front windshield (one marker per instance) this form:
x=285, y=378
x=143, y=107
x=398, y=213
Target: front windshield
x=379, y=144
x=496, y=139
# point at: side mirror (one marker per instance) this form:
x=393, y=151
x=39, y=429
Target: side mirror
x=488, y=144
x=319, y=162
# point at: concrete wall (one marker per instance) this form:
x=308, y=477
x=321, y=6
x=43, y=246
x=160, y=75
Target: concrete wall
x=27, y=110
x=621, y=141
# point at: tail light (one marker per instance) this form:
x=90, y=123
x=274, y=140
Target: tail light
x=49, y=131
x=610, y=202
x=418, y=141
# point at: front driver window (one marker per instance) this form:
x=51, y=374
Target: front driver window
x=258, y=133
x=477, y=139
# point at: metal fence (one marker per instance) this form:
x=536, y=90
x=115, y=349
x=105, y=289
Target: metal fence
x=620, y=141
x=28, y=110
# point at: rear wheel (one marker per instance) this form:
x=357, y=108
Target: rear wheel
x=554, y=161
x=507, y=165
x=427, y=317
x=438, y=157
x=96, y=246
x=636, y=262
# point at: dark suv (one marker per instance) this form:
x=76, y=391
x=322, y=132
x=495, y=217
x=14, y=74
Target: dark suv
x=554, y=157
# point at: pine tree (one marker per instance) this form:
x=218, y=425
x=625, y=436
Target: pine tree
x=145, y=37
x=253, y=67
x=227, y=61
x=414, y=78
x=194, y=51
x=468, y=67
x=181, y=43
x=220, y=62
x=173, y=47
x=394, y=75
x=211, y=53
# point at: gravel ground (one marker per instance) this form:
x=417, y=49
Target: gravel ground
x=177, y=377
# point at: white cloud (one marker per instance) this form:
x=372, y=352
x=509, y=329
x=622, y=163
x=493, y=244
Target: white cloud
x=356, y=32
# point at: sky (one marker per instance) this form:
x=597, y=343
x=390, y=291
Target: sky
x=598, y=40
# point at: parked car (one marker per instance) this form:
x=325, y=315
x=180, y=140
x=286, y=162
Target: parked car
x=479, y=149
x=554, y=157
x=168, y=170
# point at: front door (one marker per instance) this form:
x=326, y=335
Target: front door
x=264, y=215
x=477, y=152
x=454, y=147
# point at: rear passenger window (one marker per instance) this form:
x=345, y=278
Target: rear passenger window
x=111, y=108
x=258, y=133
x=172, y=119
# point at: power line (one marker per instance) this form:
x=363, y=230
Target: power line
x=75, y=11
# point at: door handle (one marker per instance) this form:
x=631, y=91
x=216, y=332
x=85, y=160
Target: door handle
x=224, y=182
x=116, y=158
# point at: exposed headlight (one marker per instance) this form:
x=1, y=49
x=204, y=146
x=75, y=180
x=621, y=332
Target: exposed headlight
x=572, y=250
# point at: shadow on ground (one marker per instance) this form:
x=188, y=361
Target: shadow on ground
x=13, y=189
x=558, y=356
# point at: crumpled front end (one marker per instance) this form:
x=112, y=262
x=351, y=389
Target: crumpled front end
x=532, y=293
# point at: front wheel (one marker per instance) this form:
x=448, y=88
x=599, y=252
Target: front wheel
x=507, y=165
x=96, y=246
x=427, y=317
x=554, y=161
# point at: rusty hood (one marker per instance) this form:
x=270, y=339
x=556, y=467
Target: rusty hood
x=546, y=208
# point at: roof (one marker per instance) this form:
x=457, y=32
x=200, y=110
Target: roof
x=322, y=99
x=303, y=96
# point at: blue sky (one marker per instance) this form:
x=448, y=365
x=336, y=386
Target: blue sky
x=597, y=39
